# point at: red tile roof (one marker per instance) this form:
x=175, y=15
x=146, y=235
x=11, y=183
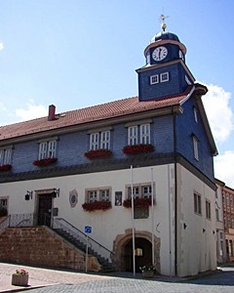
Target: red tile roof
x=94, y=113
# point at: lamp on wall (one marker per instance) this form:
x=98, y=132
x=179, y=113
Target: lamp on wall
x=28, y=195
x=56, y=192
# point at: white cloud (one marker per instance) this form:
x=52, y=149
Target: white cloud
x=1, y=46
x=224, y=168
x=221, y=116
x=219, y=112
x=31, y=111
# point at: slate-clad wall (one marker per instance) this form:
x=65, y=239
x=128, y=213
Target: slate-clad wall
x=72, y=147
x=175, y=85
x=186, y=127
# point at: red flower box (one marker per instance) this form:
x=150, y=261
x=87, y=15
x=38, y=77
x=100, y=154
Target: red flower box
x=98, y=154
x=96, y=205
x=138, y=202
x=44, y=162
x=5, y=168
x=138, y=149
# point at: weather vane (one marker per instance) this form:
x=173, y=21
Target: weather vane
x=162, y=18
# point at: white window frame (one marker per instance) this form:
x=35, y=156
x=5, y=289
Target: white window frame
x=98, y=194
x=139, y=191
x=197, y=203
x=5, y=156
x=47, y=149
x=94, y=141
x=139, y=134
x=145, y=133
x=146, y=191
x=164, y=76
x=195, y=148
x=133, y=135
x=99, y=140
x=105, y=140
x=154, y=79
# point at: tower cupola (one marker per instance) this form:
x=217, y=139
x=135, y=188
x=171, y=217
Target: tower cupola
x=165, y=72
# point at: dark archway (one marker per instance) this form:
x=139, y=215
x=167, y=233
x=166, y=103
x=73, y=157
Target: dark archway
x=143, y=254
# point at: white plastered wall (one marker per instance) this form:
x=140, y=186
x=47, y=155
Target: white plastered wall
x=196, y=233
x=106, y=225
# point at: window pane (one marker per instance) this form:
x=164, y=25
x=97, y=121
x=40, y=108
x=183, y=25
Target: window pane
x=94, y=141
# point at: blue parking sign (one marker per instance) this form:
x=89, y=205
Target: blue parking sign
x=88, y=229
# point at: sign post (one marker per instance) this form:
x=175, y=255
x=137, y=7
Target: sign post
x=88, y=230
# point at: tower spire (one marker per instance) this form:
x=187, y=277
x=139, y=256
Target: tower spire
x=163, y=25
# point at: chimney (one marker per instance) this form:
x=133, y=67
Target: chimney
x=51, y=114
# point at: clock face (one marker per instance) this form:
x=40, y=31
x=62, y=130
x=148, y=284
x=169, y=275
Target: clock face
x=159, y=53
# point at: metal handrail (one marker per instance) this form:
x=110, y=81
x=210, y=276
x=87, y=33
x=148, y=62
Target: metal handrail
x=31, y=220
x=90, y=238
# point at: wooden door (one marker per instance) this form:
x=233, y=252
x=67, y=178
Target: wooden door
x=45, y=209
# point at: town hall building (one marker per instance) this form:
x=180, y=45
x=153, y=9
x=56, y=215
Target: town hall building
x=135, y=174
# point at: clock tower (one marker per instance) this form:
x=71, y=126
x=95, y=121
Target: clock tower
x=165, y=72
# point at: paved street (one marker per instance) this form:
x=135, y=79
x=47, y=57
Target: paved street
x=54, y=281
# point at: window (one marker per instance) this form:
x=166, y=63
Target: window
x=154, y=79
x=217, y=214
x=5, y=156
x=145, y=133
x=195, y=147
x=164, y=77
x=197, y=203
x=146, y=191
x=98, y=194
x=195, y=114
x=141, y=191
x=47, y=149
x=100, y=140
x=135, y=191
x=208, y=210
x=139, y=134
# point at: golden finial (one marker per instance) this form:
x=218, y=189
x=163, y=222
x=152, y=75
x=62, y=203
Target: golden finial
x=163, y=25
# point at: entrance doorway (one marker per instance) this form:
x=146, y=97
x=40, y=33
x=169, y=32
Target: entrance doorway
x=143, y=254
x=45, y=209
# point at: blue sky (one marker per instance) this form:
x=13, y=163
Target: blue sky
x=78, y=53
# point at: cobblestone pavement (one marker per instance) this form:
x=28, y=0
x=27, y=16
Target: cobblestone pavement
x=54, y=281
